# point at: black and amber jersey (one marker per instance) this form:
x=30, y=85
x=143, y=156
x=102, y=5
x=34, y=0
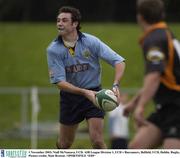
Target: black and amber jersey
x=162, y=54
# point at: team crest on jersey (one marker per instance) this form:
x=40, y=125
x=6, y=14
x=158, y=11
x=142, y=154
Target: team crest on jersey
x=86, y=54
x=155, y=55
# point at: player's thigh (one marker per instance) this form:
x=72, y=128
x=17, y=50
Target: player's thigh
x=147, y=137
x=171, y=143
x=67, y=132
x=95, y=126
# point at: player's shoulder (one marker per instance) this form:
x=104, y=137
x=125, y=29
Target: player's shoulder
x=155, y=39
x=53, y=46
x=89, y=40
x=89, y=37
x=158, y=35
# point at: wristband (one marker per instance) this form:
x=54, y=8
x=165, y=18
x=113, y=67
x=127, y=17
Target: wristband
x=116, y=85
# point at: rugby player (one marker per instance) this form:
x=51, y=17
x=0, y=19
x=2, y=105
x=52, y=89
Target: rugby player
x=73, y=62
x=161, y=52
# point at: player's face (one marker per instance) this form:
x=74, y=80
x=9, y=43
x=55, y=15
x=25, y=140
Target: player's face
x=65, y=25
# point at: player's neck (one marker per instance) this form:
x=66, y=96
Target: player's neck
x=71, y=37
x=145, y=26
x=70, y=40
x=143, y=23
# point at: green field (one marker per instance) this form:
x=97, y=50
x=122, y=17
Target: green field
x=23, y=64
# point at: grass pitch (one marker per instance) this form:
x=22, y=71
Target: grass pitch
x=23, y=64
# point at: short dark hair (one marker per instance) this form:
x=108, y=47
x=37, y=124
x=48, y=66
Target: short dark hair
x=75, y=13
x=152, y=10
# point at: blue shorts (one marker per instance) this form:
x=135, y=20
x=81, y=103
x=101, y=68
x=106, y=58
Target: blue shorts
x=75, y=108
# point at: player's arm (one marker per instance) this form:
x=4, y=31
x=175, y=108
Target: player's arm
x=155, y=65
x=131, y=105
x=114, y=59
x=150, y=86
x=68, y=87
x=119, y=71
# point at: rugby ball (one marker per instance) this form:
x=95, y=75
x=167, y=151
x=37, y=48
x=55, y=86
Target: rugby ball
x=106, y=100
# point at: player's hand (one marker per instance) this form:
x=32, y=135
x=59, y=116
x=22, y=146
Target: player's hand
x=139, y=116
x=116, y=91
x=128, y=108
x=90, y=95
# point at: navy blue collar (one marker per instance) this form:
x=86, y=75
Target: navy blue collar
x=80, y=34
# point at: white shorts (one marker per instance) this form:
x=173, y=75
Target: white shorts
x=118, y=124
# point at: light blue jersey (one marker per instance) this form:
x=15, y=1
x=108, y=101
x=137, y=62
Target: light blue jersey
x=81, y=67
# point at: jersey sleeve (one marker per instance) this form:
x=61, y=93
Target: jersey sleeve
x=154, y=54
x=107, y=54
x=55, y=67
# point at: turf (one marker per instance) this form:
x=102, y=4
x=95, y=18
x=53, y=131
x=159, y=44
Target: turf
x=23, y=64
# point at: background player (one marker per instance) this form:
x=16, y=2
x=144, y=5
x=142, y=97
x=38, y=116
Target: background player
x=161, y=81
x=119, y=126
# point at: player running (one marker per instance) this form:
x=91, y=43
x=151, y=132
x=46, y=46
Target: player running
x=161, y=53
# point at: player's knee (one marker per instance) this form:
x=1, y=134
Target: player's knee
x=97, y=140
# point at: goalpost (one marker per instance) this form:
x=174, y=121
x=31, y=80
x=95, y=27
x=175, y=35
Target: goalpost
x=34, y=117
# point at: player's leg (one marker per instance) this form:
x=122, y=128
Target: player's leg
x=171, y=143
x=96, y=126
x=147, y=137
x=66, y=136
x=70, y=117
